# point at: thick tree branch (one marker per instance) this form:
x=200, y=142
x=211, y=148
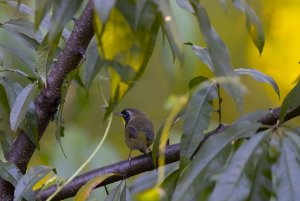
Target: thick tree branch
x=143, y=163
x=48, y=99
x=137, y=165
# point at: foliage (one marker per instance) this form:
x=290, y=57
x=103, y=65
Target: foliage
x=242, y=161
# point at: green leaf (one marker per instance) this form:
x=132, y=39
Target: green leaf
x=93, y=64
x=254, y=25
x=26, y=183
x=85, y=190
x=169, y=184
x=103, y=8
x=259, y=76
x=196, y=80
x=219, y=54
x=125, y=194
x=196, y=119
x=45, y=55
x=232, y=184
x=114, y=195
x=202, y=54
x=30, y=125
x=192, y=179
x=21, y=106
x=10, y=92
x=18, y=72
x=185, y=4
x=4, y=100
x=140, y=5
x=10, y=172
x=41, y=9
x=63, y=12
x=129, y=49
x=169, y=29
x=287, y=170
x=291, y=101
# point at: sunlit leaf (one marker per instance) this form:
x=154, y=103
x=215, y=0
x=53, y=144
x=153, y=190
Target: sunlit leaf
x=196, y=80
x=21, y=106
x=85, y=190
x=259, y=76
x=129, y=50
x=41, y=9
x=254, y=25
x=10, y=172
x=103, y=8
x=196, y=119
x=286, y=170
x=153, y=194
x=25, y=184
x=291, y=101
x=63, y=12
x=45, y=55
x=93, y=64
x=232, y=184
x=219, y=54
x=192, y=180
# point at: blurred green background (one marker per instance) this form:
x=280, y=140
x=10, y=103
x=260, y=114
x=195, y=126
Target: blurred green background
x=83, y=113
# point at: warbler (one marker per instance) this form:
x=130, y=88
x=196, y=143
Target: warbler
x=139, y=131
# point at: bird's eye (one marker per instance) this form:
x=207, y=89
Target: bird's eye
x=126, y=115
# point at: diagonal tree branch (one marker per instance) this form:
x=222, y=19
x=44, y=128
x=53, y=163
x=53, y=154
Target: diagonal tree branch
x=143, y=163
x=48, y=99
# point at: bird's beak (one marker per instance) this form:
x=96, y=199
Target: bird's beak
x=118, y=113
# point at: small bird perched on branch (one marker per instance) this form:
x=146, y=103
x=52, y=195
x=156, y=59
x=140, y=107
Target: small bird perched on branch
x=139, y=131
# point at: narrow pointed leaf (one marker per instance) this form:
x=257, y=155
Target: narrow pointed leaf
x=140, y=5
x=21, y=105
x=26, y=183
x=287, y=171
x=192, y=180
x=259, y=76
x=196, y=81
x=169, y=184
x=202, y=54
x=232, y=184
x=103, y=8
x=125, y=194
x=291, y=101
x=41, y=9
x=196, y=119
x=253, y=23
x=10, y=172
x=45, y=55
x=10, y=92
x=85, y=190
x=114, y=195
x=185, y=4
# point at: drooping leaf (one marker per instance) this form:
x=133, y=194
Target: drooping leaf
x=4, y=100
x=114, y=195
x=291, y=101
x=286, y=170
x=10, y=172
x=25, y=184
x=18, y=72
x=192, y=180
x=185, y=4
x=196, y=119
x=85, y=190
x=253, y=23
x=41, y=9
x=21, y=106
x=196, y=81
x=93, y=64
x=125, y=194
x=103, y=8
x=218, y=52
x=23, y=29
x=63, y=12
x=232, y=184
x=10, y=92
x=46, y=23
x=45, y=55
x=169, y=29
x=140, y=5
x=30, y=125
x=202, y=54
x=259, y=76
x=129, y=48
x=169, y=184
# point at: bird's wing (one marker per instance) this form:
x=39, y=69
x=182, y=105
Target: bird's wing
x=131, y=132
